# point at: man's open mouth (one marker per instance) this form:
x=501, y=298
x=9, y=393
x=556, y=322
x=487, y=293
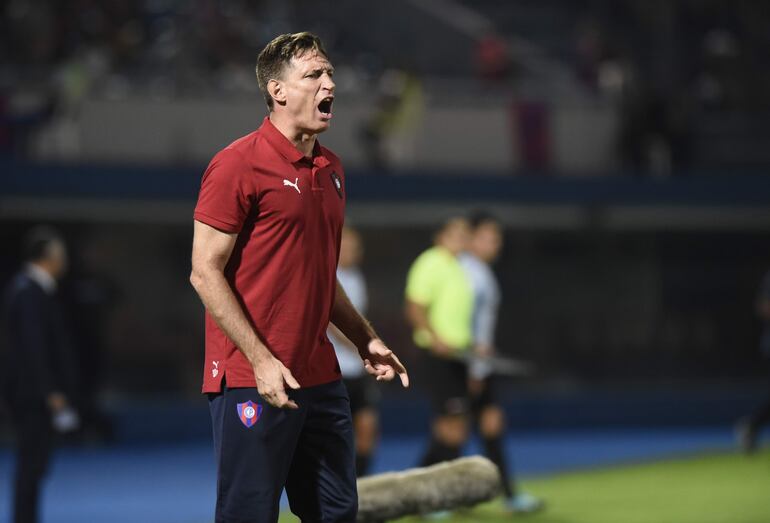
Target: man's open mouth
x=325, y=107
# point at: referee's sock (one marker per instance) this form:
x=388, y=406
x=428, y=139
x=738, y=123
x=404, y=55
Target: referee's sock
x=438, y=452
x=493, y=448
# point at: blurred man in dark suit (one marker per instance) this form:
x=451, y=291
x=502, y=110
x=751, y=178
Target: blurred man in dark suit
x=37, y=367
x=749, y=428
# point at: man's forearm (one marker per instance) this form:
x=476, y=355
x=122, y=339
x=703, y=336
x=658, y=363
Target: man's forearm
x=350, y=322
x=220, y=302
x=486, y=322
x=342, y=340
x=418, y=316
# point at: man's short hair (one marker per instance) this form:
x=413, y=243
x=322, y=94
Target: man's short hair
x=278, y=53
x=481, y=217
x=447, y=221
x=37, y=243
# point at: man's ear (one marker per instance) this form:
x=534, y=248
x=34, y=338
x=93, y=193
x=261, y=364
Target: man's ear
x=276, y=90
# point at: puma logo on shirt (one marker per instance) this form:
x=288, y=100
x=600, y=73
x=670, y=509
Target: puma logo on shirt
x=295, y=184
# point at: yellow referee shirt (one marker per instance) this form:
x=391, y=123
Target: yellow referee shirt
x=438, y=282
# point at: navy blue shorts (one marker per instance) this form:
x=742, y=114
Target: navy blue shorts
x=261, y=449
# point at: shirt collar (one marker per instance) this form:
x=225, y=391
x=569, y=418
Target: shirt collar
x=469, y=256
x=41, y=277
x=282, y=144
x=446, y=252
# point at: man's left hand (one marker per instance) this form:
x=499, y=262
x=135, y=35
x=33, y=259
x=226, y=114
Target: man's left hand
x=379, y=361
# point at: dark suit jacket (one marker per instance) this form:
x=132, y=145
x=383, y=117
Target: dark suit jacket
x=37, y=356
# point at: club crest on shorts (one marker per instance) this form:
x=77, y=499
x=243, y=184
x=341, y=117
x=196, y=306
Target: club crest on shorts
x=249, y=413
x=337, y=181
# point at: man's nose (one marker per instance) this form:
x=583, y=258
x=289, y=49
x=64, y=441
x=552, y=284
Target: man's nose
x=329, y=84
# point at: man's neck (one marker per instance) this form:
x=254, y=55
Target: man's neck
x=480, y=257
x=447, y=250
x=476, y=255
x=304, y=142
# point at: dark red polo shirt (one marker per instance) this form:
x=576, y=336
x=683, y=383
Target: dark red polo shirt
x=288, y=212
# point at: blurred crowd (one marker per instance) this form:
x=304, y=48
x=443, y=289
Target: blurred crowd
x=55, y=54
x=662, y=63
x=668, y=65
x=116, y=45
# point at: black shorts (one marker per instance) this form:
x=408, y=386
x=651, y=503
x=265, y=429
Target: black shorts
x=260, y=449
x=446, y=382
x=363, y=393
x=486, y=397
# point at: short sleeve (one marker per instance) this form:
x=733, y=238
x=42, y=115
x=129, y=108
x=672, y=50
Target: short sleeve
x=420, y=280
x=227, y=192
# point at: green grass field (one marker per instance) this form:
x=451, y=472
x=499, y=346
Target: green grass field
x=720, y=488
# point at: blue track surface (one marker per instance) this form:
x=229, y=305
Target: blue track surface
x=175, y=483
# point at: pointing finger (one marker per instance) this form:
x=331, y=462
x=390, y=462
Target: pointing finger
x=398, y=365
x=404, y=378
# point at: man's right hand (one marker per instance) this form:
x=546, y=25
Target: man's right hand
x=271, y=375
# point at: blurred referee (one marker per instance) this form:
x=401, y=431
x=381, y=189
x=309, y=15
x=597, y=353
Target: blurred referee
x=38, y=368
x=439, y=302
